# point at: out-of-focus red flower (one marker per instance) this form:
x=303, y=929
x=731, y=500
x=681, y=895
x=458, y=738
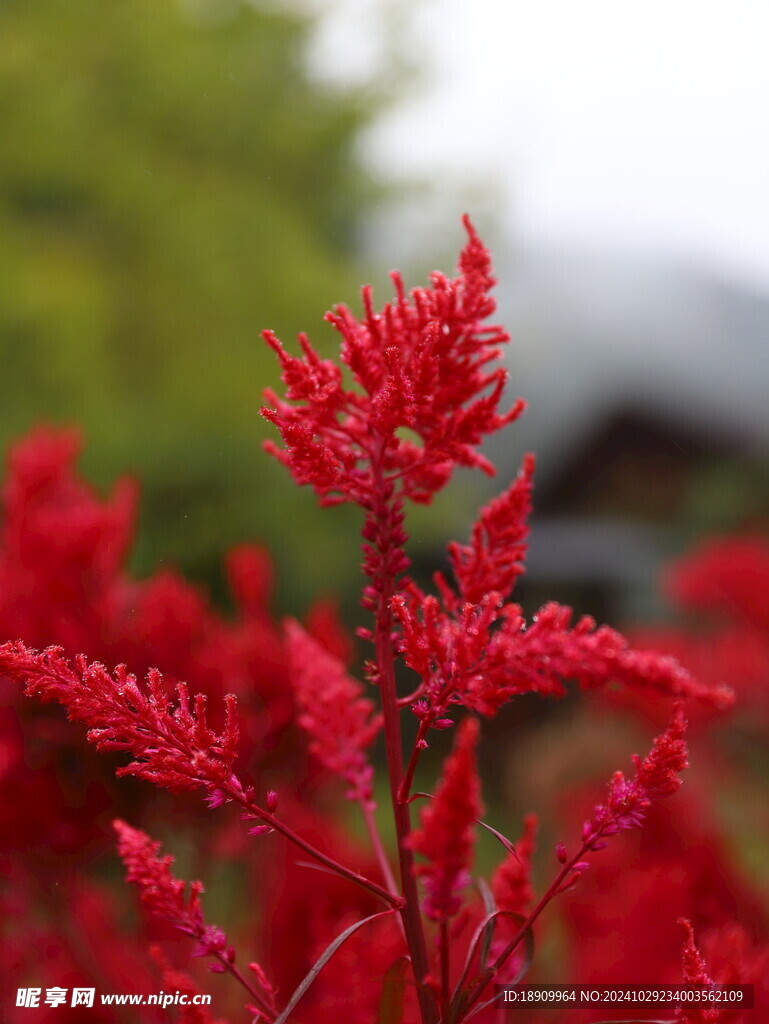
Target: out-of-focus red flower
x=511, y=881
x=340, y=721
x=447, y=836
x=727, y=576
x=728, y=957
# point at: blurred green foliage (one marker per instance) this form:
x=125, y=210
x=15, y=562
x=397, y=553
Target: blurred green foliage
x=171, y=181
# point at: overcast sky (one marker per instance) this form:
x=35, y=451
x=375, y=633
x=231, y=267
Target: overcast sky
x=617, y=124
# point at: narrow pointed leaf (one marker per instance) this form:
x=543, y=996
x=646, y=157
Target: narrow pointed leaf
x=461, y=994
x=503, y=839
x=490, y=905
x=321, y=962
x=479, y=936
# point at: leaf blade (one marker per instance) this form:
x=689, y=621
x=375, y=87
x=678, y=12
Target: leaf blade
x=321, y=962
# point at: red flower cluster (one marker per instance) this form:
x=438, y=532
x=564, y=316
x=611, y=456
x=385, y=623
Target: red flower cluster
x=726, y=576
x=166, y=897
x=511, y=882
x=161, y=893
x=656, y=776
x=447, y=836
x=420, y=366
x=172, y=746
x=421, y=400
x=341, y=722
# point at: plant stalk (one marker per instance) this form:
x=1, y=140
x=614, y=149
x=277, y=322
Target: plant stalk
x=411, y=914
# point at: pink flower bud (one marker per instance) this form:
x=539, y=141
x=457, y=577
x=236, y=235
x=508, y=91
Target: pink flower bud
x=560, y=852
x=259, y=830
x=272, y=801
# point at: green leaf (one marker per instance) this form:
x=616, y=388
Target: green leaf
x=392, y=1000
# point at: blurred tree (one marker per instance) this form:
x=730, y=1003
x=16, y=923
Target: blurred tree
x=171, y=181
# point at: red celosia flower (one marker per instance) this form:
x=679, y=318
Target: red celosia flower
x=172, y=746
x=164, y=896
x=168, y=899
x=725, y=574
x=621, y=918
x=341, y=722
x=325, y=624
x=727, y=578
x=733, y=958
x=461, y=659
x=420, y=364
x=513, y=893
x=656, y=776
x=511, y=882
x=695, y=972
x=175, y=980
x=61, y=545
x=447, y=836
x=493, y=560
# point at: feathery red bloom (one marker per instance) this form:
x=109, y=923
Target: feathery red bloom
x=695, y=972
x=180, y=981
x=325, y=624
x=733, y=958
x=511, y=882
x=493, y=560
x=61, y=545
x=513, y=894
x=447, y=836
x=462, y=659
x=340, y=721
x=728, y=575
x=172, y=746
x=657, y=775
x=420, y=364
x=166, y=897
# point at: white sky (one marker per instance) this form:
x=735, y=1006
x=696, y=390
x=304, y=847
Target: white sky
x=640, y=126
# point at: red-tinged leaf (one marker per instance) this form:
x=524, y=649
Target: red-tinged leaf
x=459, y=1000
x=482, y=935
x=498, y=835
x=321, y=962
x=490, y=905
x=316, y=867
x=393, y=999
x=419, y=796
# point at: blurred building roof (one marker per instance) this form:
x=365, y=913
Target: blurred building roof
x=637, y=375
x=596, y=335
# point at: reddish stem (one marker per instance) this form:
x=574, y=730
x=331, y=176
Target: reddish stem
x=445, y=949
x=236, y=793
x=268, y=1012
x=412, y=918
x=410, y=911
x=408, y=779
x=367, y=809
x=485, y=976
